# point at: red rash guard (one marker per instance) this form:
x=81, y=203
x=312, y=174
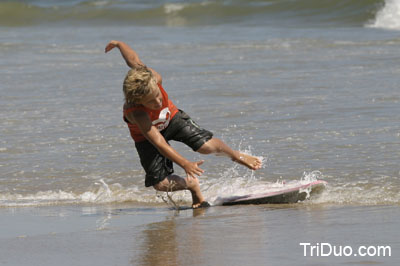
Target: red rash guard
x=159, y=118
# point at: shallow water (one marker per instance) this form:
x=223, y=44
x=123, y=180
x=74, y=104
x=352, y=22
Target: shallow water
x=305, y=100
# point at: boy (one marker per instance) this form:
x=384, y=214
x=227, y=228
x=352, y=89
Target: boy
x=153, y=120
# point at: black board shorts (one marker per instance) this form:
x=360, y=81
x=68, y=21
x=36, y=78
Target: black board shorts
x=181, y=128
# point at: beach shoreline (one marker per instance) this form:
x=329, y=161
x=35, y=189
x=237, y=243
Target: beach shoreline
x=129, y=234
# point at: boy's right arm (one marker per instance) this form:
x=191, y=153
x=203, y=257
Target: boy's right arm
x=131, y=57
x=152, y=134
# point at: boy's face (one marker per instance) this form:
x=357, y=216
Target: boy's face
x=153, y=100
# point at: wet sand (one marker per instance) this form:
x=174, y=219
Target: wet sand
x=156, y=235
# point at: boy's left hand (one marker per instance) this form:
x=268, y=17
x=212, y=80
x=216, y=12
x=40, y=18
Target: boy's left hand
x=192, y=169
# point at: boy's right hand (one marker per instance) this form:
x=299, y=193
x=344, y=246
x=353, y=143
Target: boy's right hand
x=111, y=45
x=193, y=170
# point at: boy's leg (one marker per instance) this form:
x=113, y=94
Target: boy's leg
x=184, y=129
x=175, y=183
x=218, y=147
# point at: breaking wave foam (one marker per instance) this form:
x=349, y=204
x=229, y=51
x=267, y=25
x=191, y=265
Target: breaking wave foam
x=104, y=193
x=389, y=16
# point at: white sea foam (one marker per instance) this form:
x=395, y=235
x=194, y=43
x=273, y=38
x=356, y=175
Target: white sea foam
x=389, y=16
x=359, y=193
x=101, y=194
x=173, y=8
x=230, y=183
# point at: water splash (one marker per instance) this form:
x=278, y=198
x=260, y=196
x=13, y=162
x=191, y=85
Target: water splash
x=231, y=183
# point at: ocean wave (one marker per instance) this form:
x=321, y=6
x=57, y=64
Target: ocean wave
x=193, y=13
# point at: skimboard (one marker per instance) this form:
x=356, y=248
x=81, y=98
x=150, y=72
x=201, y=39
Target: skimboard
x=285, y=194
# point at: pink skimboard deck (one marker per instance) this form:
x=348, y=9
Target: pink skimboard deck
x=286, y=194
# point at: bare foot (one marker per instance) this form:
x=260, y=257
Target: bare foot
x=198, y=201
x=252, y=162
x=203, y=204
x=194, y=187
x=195, y=200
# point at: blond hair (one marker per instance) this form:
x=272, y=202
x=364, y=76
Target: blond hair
x=137, y=83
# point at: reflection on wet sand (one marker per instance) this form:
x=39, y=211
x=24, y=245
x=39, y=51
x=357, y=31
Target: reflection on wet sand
x=171, y=242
